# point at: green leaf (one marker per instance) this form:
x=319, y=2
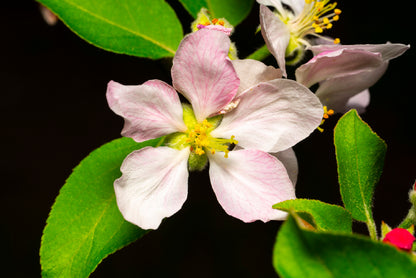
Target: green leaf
x=325, y=217
x=360, y=156
x=232, y=10
x=303, y=253
x=85, y=225
x=145, y=28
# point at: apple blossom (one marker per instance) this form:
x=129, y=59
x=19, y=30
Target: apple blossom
x=286, y=30
x=345, y=72
x=247, y=180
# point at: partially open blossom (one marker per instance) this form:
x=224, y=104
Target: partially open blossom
x=247, y=180
x=345, y=72
x=287, y=30
x=204, y=20
x=401, y=238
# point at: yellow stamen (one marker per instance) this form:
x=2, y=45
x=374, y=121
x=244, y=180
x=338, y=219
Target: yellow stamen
x=201, y=142
x=337, y=41
x=325, y=116
x=316, y=17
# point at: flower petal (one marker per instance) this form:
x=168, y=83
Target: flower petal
x=277, y=4
x=272, y=116
x=296, y=5
x=252, y=72
x=150, y=110
x=332, y=64
x=203, y=73
x=154, y=185
x=248, y=183
x=289, y=160
x=359, y=102
x=388, y=51
x=276, y=35
x=336, y=92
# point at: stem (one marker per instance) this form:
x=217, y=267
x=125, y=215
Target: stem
x=409, y=220
x=161, y=141
x=260, y=54
x=372, y=229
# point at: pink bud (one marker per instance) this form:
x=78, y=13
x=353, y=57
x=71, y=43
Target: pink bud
x=400, y=238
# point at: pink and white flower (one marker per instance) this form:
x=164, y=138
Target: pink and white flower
x=345, y=72
x=287, y=29
x=247, y=181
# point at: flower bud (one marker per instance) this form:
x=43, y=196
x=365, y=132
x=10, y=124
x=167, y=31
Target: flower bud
x=401, y=238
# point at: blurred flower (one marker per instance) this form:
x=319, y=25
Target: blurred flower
x=49, y=17
x=247, y=180
x=345, y=72
x=401, y=238
x=286, y=30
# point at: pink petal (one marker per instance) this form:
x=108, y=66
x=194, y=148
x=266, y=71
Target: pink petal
x=272, y=116
x=252, y=72
x=336, y=92
x=220, y=28
x=150, y=110
x=333, y=64
x=154, y=185
x=289, y=160
x=276, y=35
x=203, y=73
x=248, y=183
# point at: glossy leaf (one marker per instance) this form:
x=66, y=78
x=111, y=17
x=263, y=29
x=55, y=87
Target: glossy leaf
x=85, y=225
x=232, y=10
x=360, y=156
x=325, y=217
x=305, y=253
x=145, y=28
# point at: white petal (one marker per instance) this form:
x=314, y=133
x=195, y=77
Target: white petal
x=252, y=72
x=335, y=64
x=277, y=4
x=388, y=51
x=248, y=183
x=289, y=160
x=295, y=5
x=154, y=185
x=336, y=92
x=359, y=102
x=150, y=110
x=276, y=34
x=272, y=116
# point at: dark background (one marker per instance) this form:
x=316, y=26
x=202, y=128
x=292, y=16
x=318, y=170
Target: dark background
x=54, y=113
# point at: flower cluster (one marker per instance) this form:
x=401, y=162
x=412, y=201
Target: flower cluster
x=241, y=117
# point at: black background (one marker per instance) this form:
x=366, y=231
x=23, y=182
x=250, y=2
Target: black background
x=54, y=113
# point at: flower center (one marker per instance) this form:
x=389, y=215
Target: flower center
x=316, y=16
x=200, y=140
